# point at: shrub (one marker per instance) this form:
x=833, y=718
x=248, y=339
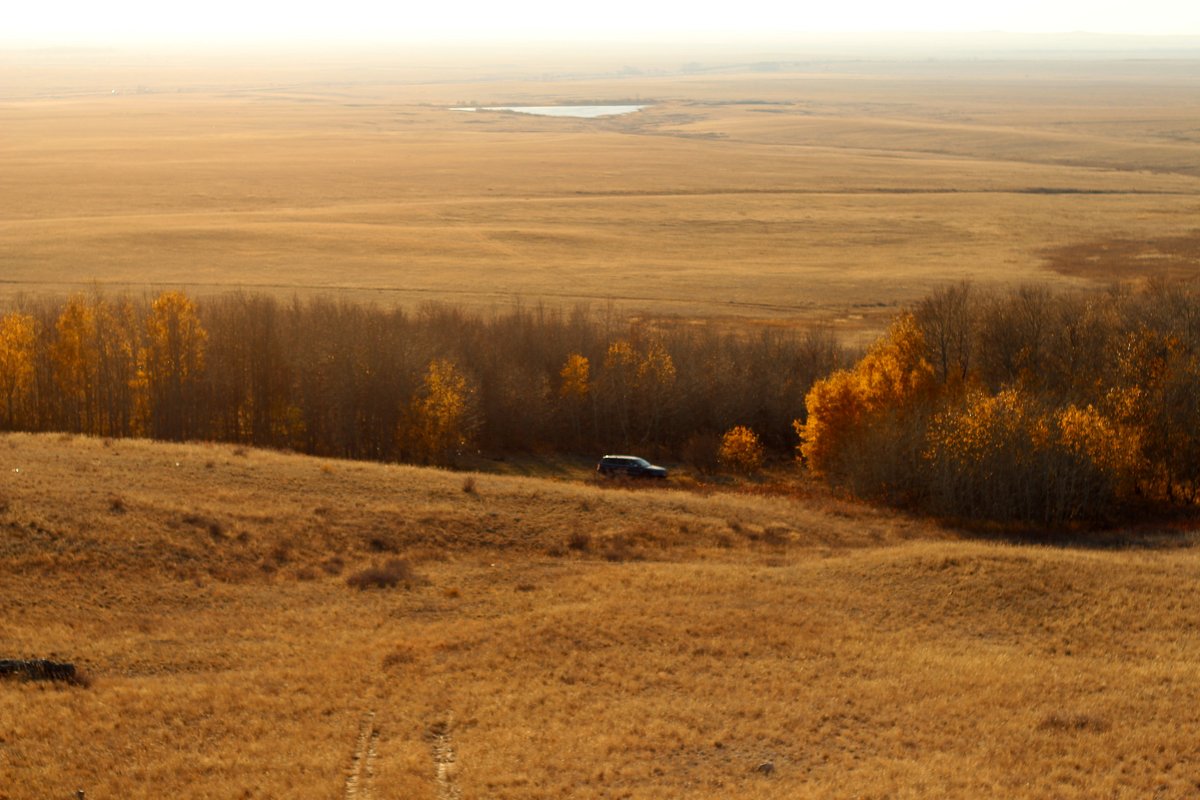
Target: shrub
x=386, y=576
x=741, y=451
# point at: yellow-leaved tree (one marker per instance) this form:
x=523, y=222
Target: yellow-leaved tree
x=171, y=367
x=858, y=424
x=442, y=418
x=574, y=391
x=574, y=375
x=76, y=364
x=18, y=337
x=741, y=450
x=1012, y=455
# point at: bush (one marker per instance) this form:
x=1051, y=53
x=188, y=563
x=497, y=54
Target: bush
x=741, y=451
x=386, y=576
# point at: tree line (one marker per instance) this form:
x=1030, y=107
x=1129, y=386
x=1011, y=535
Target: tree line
x=1020, y=405
x=337, y=378
x=1023, y=404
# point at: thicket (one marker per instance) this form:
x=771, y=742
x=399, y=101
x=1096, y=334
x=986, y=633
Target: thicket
x=337, y=378
x=1023, y=405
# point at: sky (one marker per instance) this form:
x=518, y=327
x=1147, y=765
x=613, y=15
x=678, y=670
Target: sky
x=115, y=21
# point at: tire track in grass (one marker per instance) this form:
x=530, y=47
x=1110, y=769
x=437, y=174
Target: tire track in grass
x=361, y=778
x=445, y=760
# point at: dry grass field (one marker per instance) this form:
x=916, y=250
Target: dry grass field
x=257, y=624
x=556, y=639
x=830, y=190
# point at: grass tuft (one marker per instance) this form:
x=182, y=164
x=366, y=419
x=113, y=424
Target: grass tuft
x=468, y=485
x=386, y=576
x=1077, y=723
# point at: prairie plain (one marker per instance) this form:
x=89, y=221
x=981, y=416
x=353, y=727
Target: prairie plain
x=555, y=639
x=831, y=190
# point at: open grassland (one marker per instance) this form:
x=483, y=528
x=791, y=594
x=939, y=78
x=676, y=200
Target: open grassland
x=829, y=191
x=552, y=639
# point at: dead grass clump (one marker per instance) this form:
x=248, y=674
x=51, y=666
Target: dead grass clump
x=403, y=655
x=382, y=544
x=215, y=528
x=384, y=576
x=468, y=485
x=777, y=535
x=4, y=504
x=116, y=504
x=281, y=554
x=333, y=565
x=1077, y=723
x=619, y=549
x=580, y=541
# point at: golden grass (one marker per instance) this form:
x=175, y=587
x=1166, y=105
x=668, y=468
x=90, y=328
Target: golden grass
x=687, y=641
x=829, y=195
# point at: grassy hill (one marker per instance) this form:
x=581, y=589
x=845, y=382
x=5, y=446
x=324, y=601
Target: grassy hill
x=557, y=639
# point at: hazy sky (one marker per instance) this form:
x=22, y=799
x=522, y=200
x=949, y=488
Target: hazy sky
x=73, y=21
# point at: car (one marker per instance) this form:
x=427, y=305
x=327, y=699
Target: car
x=629, y=467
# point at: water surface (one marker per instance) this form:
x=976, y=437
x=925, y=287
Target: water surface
x=589, y=112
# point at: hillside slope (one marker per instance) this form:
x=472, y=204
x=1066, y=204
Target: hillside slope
x=550, y=639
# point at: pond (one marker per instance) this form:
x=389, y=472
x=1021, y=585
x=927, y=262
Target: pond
x=589, y=112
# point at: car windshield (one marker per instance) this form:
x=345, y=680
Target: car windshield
x=641, y=462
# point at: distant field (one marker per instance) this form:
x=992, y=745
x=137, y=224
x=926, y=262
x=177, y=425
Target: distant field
x=829, y=191
x=556, y=640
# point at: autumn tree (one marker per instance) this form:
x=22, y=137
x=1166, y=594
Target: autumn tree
x=76, y=358
x=1157, y=393
x=118, y=352
x=18, y=336
x=741, y=450
x=573, y=390
x=864, y=424
x=172, y=364
x=619, y=380
x=1013, y=456
x=441, y=419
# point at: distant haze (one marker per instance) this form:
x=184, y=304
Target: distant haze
x=77, y=22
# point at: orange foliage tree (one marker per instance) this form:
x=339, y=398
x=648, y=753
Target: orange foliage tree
x=18, y=337
x=741, y=450
x=441, y=420
x=172, y=364
x=892, y=380
x=76, y=364
x=1014, y=456
x=574, y=390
